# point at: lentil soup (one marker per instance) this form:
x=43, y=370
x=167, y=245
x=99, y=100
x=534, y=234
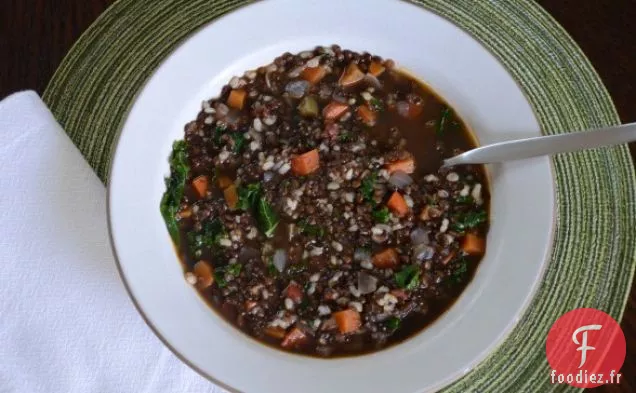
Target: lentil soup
x=309, y=207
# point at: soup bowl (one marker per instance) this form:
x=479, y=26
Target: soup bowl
x=459, y=69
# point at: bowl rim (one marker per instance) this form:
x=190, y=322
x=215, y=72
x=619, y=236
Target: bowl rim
x=451, y=377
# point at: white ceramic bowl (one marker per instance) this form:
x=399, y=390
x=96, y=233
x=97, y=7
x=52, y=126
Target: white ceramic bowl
x=455, y=66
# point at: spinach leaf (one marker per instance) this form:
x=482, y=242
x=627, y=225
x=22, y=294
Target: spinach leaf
x=248, y=196
x=367, y=187
x=377, y=105
x=219, y=278
x=393, y=323
x=344, y=136
x=267, y=218
x=234, y=269
x=175, y=184
x=239, y=141
x=444, y=120
x=408, y=277
x=461, y=269
x=381, y=215
x=251, y=199
x=465, y=200
x=271, y=269
x=207, y=237
x=311, y=230
x=470, y=220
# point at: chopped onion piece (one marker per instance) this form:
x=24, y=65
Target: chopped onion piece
x=280, y=260
x=314, y=62
x=361, y=255
x=367, y=283
x=419, y=236
x=423, y=252
x=297, y=89
x=295, y=73
x=400, y=179
x=221, y=110
x=372, y=81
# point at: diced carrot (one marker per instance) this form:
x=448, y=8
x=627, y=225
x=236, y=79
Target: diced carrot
x=306, y=163
x=294, y=292
x=231, y=196
x=334, y=110
x=351, y=75
x=250, y=304
x=429, y=212
x=224, y=182
x=376, y=69
x=409, y=110
x=397, y=204
x=448, y=258
x=236, y=99
x=204, y=273
x=415, y=110
x=313, y=75
x=200, y=184
x=425, y=214
x=367, y=116
x=185, y=213
x=348, y=321
x=406, y=165
x=275, y=332
x=473, y=244
x=294, y=338
x=386, y=259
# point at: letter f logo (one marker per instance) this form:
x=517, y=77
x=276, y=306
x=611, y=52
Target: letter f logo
x=583, y=346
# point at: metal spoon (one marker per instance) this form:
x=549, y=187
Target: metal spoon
x=546, y=145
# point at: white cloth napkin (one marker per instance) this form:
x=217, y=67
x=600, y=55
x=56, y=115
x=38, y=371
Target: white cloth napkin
x=66, y=323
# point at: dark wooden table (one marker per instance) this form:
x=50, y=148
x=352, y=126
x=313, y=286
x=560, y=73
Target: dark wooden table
x=36, y=34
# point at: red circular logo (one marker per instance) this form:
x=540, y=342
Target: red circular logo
x=585, y=348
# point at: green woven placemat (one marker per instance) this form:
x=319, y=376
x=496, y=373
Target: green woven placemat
x=595, y=244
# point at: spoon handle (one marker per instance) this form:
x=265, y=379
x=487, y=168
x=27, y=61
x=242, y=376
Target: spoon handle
x=546, y=145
